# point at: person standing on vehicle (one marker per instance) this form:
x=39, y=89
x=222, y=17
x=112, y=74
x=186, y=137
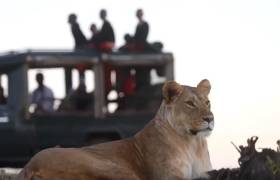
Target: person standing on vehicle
x=79, y=37
x=42, y=96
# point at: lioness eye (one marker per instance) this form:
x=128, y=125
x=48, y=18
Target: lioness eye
x=208, y=102
x=190, y=103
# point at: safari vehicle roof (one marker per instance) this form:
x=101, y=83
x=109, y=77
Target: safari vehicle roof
x=49, y=58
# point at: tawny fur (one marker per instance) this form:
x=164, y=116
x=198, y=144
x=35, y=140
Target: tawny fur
x=171, y=146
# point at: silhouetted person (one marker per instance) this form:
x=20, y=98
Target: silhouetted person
x=3, y=99
x=42, y=96
x=129, y=45
x=80, y=99
x=125, y=86
x=79, y=37
x=77, y=99
x=138, y=42
x=106, y=36
x=141, y=34
x=142, y=28
x=93, y=41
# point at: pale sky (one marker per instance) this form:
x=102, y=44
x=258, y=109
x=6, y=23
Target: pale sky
x=234, y=44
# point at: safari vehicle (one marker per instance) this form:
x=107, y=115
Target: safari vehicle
x=24, y=132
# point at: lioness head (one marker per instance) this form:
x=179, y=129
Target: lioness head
x=188, y=108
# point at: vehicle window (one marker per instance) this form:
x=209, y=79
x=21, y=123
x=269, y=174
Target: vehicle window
x=134, y=90
x=3, y=89
x=89, y=79
x=157, y=77
x=46, y=88
x=80, y=97
x=3, y=98
x=112, y=105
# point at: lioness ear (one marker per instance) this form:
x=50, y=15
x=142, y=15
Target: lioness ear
x=204, y=87
x=170, y=90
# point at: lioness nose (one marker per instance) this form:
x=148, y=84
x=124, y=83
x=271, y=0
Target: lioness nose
x=208, y=118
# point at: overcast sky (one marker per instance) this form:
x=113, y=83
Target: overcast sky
x=234, y=44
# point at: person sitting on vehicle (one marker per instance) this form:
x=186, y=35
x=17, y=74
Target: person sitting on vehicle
x=138, y=42
x=125, y=86
x=42, y=96
x=80, y=99
x=79, y=37
x=129, y=45
x=93, y=41
x=106, y=36
x=3, y=99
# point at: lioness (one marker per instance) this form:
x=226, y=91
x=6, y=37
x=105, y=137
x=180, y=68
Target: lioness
x=172, y=146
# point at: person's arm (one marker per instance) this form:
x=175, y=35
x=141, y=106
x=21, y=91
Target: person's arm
x=145, y=31
x=34, y=97
x=50, y=97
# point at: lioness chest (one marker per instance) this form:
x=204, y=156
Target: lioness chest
x=188, y=163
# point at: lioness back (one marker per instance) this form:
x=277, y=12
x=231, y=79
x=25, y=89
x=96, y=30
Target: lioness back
x=86, y=163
